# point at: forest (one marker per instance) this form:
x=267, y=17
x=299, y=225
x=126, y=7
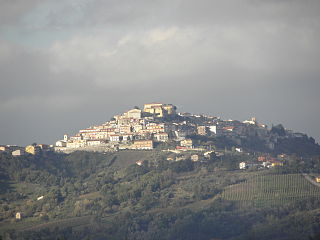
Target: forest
x=87, y=195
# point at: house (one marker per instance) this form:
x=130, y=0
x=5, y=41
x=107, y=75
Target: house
x=115, y=138
x=32, y=149
x=4, y=148
x=161, y=137
x=252, y=121
x=61, y=143
x=195, y=157
x=213, y=129
x=239, y=150
x=143, y=144
x=127, y=137
x=228, y=128
x=40, y=198
x=44, y=147
x=10, y=148
x=202, y=130
x=209, y=154
x=18, y=215
x=19, y=152
x=242, y=165
x=276, y=163
x=94, y=142
x=134, y=113
x=159, y=109
x=139, y=162
x=186, y=143
x=125, y=129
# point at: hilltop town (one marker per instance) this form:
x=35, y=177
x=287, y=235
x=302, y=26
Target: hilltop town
x=161, y=126
x=158, y=124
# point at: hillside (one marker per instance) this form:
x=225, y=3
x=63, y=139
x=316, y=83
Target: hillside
x=88, y=194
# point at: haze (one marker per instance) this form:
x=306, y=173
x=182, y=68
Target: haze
x=66, y=65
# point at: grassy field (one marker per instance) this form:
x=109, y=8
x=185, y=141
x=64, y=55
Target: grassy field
x=271, y=190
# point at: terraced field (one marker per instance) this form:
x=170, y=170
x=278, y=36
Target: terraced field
x=271, y=190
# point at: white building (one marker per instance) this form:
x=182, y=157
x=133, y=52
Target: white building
x=213, y=129
x=61, y=143
x=242, y=165
x=133, y=113
x=161, y=137
x=19, y=152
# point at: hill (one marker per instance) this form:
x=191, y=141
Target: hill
x=86, y=195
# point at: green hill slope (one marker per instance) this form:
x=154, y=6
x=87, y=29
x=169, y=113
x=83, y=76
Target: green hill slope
x=271, y=190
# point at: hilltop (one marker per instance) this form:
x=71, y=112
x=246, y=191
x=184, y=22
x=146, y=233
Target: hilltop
x=161, y=124
x=87, y=194
x=159, y=174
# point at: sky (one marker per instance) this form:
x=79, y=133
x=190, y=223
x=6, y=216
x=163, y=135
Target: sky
x=69, y=64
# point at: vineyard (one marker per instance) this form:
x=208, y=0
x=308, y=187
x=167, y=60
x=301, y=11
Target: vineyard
x=271, y=190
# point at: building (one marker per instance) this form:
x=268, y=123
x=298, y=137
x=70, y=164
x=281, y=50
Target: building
x=18, y=215
x=276, y=164
x=77, y=144
x=19, y=152
x=213, y=129
x=115, y=138
x=159, y=109
x=32, y=149
x=94, y=142
x=202, y=130
x=125, y=129
x=209, y=154
x=4, y=148
x=195, y=158
x=143, y=144
x=239, y=150
x=161, y=137
x=40, y=198
x=154, y=109
x=186, y=143
x=252, y=121
x=242, y=165
x=134, y=113
x=170, y=109
x=139, y=162
x=44, y=147
x=10, y=148
x=61, y=143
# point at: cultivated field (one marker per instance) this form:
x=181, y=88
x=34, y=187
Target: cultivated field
x=271, y=190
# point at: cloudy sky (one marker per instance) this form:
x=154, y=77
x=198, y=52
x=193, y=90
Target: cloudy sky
x=69, y=64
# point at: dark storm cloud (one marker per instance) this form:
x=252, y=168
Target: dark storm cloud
x=234, y=59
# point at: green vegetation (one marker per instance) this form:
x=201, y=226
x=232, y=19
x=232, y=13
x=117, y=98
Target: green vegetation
x=263, y=190
x=108, y=196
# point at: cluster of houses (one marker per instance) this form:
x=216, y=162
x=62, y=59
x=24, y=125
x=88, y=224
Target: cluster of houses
x=30, y=149
x=134, y=129
x=264, y=161
x=158, y=122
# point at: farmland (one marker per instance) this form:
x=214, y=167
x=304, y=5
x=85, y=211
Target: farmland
x=271, y=190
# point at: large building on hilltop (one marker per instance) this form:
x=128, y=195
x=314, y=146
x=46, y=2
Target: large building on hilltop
x=159, y=109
